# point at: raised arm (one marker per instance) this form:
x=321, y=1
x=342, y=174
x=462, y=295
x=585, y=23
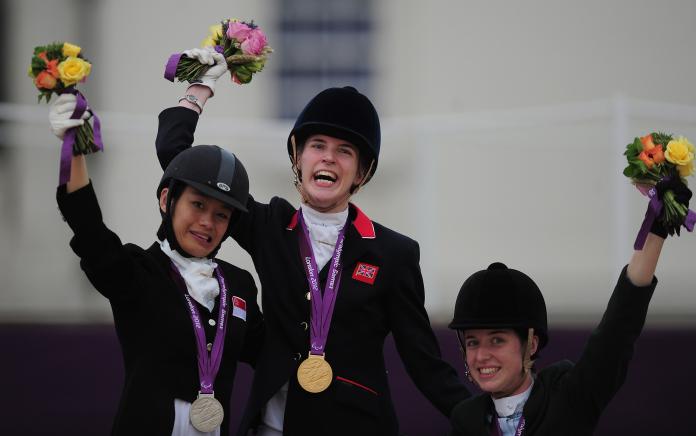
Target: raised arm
x=60, y=118
x=602, y=368
x=178, y=124
x=641, y=268
x=103, y=257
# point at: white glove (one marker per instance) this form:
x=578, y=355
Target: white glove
x=60, y=113
x=208, y=56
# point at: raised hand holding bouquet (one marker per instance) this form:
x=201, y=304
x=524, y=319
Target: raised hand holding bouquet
x=57, y=68
x=242, y=44
x=658, y=165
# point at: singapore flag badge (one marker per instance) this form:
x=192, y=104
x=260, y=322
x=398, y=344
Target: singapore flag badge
x=239, y=308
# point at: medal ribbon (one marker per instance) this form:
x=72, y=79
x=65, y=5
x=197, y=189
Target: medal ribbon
x=208, y=363
x=322, y=306
x=495, y=430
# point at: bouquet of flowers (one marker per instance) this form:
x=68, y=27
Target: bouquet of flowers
x=57, y=68
x=243, y=44
x=660, y=158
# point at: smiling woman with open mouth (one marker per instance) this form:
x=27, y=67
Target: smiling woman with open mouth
x=334, y=282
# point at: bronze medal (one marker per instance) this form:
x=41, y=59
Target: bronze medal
x=314, y=374
x=206, y=413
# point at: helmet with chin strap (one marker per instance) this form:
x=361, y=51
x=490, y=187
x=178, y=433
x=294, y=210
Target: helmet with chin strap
x=213, y=172
x=343, y=113
x=500, y=297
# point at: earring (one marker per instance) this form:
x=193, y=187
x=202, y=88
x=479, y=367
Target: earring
x=467, y=373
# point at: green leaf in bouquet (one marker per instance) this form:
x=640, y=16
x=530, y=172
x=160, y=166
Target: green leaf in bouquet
x=634, y=148
x=639, y=166
x=255, y=67
x=243, y=74
x=660, y=138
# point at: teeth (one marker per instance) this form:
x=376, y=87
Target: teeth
x=325, y=175
x=488, y=370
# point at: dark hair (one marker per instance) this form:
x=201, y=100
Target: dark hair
x=523, y=334
x=175, y=190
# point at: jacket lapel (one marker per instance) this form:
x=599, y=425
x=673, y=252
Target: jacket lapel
x=359, y=237
x=473, y=416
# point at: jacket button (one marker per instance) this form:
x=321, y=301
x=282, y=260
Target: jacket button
x=304, y=325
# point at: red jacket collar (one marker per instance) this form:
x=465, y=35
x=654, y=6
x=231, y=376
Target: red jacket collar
x=362, y=223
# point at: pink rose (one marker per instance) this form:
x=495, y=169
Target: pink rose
x=238, y=30
x=255, y=43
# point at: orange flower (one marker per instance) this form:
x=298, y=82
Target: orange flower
x=646, y=159
x=653, y=156
x=647, y=142
x=44, y=80
x=52, y=67
x=657, y=154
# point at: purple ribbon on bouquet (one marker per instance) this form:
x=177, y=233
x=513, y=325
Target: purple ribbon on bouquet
x=170, y=68
x=173, y=62
x=653, y=212
x=70, y=135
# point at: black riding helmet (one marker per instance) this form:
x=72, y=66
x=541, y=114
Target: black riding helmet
x=342, y=113
x=212, y=171
x=500, y=297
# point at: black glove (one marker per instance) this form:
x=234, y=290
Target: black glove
x=681, y=193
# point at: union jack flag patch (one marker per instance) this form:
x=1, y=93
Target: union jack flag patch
x=366, y=273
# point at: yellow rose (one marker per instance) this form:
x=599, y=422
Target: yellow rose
x=680, y=151
x=686, y=170
x=216, y=31
x=70, y=49
x=73, y=69
x=208, y=42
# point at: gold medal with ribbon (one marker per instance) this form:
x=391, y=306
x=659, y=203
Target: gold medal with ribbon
x=314, y=374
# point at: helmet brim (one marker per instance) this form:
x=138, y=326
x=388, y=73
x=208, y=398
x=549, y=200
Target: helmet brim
x=473, y=325
x=216, y=194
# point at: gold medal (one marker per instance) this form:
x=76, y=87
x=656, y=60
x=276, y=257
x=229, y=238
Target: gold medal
x=206, y=413
x=314, y=374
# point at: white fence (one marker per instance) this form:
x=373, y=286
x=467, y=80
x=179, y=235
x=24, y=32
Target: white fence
x=539, y=189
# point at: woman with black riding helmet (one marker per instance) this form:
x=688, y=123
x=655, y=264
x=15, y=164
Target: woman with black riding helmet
x=500, y=319
x=183, y=318
x=335, y=283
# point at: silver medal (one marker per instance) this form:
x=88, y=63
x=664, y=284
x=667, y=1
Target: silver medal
x=206, y=413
